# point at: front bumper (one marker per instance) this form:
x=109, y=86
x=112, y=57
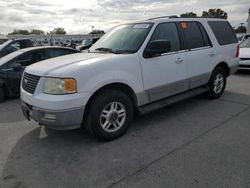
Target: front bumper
x=59, y=120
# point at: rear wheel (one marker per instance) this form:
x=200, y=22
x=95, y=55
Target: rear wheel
x=2, y=95
x=217, y=83
x=109, y=115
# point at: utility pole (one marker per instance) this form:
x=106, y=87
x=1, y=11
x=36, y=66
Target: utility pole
x=248, y=22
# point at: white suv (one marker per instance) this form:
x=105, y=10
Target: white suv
x=136, y=67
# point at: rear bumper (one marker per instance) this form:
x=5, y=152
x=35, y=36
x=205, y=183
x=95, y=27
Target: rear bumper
x=244, y=64
x=233, y=69
x=60, y=120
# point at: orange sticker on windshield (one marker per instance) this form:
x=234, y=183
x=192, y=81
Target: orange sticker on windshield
x=184, y=25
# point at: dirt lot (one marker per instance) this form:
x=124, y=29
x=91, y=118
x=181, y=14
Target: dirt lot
x=195, y=143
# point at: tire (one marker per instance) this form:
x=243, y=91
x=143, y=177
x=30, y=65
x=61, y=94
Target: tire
x=109, y=115
x=2, y=95
x=217, y=83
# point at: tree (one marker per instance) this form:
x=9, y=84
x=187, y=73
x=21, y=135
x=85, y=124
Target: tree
x=19, y=32
x=188, y=15
x=37, y=32
x=241, y=29
x=58, y=31
x=97, y=32
x=214, y=13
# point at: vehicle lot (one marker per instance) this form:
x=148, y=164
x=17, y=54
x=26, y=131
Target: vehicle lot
x=195, y=143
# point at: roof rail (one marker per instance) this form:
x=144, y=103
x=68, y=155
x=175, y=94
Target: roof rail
x=173, y=16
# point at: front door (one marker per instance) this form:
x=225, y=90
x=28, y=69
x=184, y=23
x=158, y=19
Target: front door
x=165, y=75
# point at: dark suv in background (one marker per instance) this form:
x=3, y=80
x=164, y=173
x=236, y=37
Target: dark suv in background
x=14, y=45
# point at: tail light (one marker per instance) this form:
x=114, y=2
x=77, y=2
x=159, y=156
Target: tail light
x=238, y=51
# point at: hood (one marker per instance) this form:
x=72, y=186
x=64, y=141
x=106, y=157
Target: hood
x=43, y=68
x=244, y=53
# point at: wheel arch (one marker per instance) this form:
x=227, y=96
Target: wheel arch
x=111, y=86
x=225, y=66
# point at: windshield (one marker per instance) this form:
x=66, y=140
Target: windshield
x=245, y=44
x=10, y=56
x=123, y=39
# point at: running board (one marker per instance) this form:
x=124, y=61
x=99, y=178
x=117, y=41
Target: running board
x=171, y=100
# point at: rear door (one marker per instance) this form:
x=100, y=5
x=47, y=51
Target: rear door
x=199, y=53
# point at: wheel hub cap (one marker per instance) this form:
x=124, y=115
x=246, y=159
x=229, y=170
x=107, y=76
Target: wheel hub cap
x=113, y=116
x=218, y=83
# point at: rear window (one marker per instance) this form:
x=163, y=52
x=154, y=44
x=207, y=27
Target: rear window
x=223, y=32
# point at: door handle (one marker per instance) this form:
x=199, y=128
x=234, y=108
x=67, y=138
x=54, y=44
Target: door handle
x=211, y=54
x=178, y=60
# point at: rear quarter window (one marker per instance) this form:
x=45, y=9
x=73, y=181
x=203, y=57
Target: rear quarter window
x=223, y=32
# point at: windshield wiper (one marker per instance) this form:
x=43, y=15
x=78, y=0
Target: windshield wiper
x=106, y=50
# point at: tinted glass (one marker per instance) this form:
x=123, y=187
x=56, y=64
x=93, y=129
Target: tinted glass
x=167, y=31
x=223, y=32
x=24, y=60
x=192, y=34
x=16, y=45
x=205, y=37
x=29, y=58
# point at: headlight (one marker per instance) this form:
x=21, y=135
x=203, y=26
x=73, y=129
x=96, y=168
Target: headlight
x=59, y=86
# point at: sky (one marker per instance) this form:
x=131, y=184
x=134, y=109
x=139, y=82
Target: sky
x=78, y=16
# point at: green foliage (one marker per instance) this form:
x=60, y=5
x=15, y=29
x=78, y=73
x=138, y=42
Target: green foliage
x=97, y=32
x=37, y=32
x=188, y=15
x=214, y=13
x=19, y=32
x=241, y=29
x=58, y=31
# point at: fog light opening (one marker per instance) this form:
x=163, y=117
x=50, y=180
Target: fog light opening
x=50, y=116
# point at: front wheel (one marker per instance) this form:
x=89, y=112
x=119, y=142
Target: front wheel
x=217, y=83
x=109, y=115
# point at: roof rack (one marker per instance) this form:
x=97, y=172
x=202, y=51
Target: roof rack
x=173, y=16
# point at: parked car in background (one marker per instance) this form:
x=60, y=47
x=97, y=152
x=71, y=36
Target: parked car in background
x=74, y=43
x=136, y=67
x=243, y=37
x=87, y=43
x=14, y=45
x=3, y=41
x=245, y=55
x=13, y=65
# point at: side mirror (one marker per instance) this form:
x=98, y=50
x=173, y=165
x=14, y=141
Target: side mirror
x=16, y=67
x=158, y=47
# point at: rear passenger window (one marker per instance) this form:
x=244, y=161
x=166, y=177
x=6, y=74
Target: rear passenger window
x=167, y=31
x=223, y=32
x=193, y=35
x=205, y=37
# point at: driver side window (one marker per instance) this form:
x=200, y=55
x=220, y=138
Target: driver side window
x=169, y=32
x=24, y=60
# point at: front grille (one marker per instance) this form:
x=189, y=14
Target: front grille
x=244, y=59
x=29, y=82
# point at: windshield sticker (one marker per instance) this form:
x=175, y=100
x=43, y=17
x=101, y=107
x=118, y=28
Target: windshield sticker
x=141, y=26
